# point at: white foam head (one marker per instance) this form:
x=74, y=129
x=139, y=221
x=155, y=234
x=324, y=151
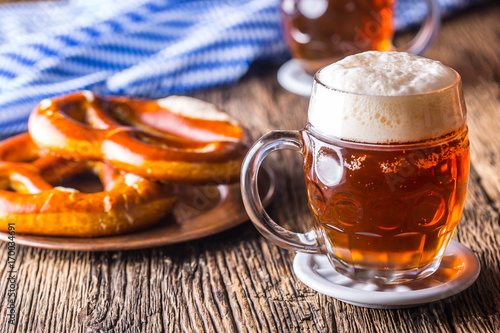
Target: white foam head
x=386, y=97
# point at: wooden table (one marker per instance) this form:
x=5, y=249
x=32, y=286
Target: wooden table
x=237, y=280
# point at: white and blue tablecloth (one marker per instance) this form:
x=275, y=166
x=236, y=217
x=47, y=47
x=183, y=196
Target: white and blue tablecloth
x=144, y=48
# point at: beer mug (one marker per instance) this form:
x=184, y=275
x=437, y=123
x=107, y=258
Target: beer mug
x=319, y=32
x=386, y=174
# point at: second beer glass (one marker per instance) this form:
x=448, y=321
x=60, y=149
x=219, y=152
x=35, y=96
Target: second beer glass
x=319, y=32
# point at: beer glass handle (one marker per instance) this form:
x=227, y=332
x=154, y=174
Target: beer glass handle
x=429, y=30
x=272, y=141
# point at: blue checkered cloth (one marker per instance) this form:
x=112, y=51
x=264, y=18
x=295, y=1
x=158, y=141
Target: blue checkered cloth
x=144, y=48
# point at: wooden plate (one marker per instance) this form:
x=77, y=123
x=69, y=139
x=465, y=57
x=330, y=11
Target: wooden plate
x=201, y=211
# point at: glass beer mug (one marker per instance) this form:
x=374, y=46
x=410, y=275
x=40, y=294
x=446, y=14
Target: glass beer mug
x=386, y=174
x=319, y=32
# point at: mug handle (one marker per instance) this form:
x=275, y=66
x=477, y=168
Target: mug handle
x=272, y=141
x=428, y=32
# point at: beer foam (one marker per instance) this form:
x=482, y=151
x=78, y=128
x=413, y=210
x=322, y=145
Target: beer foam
x=386, y=97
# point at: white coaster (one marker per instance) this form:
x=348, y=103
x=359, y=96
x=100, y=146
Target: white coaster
x=294, y=79
x=458, y=270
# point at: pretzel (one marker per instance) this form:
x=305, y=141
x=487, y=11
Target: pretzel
x=175, y=139
x=28, y=197
x=53, y=169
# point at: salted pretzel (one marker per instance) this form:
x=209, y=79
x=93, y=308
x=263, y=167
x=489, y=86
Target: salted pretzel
x=175, y=139
x=29, y=199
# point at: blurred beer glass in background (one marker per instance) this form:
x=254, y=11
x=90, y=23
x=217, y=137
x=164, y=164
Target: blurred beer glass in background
x=319, y=32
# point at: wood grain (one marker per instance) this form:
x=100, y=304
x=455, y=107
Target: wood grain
x=237, y=281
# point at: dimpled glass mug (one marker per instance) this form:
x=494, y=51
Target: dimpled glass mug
x=319, y=32
x=386, y=164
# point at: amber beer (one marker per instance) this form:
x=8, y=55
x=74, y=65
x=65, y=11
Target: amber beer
x=320, y=32
x=386, y=164
x=395, y=208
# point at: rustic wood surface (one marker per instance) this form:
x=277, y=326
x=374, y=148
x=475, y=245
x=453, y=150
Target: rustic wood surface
x=236, y=280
